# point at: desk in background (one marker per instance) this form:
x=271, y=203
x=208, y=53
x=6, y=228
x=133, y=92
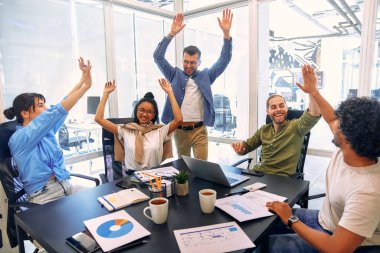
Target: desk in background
x=51, y=223
x=86, y=128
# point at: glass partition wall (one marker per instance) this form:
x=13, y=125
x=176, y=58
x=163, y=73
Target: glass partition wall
x=40, y=41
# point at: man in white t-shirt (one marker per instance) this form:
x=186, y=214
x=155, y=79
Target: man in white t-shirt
x=350, y=214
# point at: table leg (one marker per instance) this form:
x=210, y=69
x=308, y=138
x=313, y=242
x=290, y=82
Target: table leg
x=21, y=246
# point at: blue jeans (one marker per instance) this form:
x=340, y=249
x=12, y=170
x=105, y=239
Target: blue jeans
x=283, y=240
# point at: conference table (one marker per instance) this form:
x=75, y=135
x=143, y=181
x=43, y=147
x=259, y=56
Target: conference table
x=50, y=224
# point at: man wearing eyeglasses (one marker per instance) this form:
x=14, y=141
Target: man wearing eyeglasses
x=192, y=88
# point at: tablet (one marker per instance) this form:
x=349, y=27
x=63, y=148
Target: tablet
x=83, y=242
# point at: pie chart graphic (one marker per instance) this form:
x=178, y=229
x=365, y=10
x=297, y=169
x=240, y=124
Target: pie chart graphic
x=114, y=228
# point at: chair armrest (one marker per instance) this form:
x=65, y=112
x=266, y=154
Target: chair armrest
x=298, y=175
x=316, y=196
x=242, y=161
x=97, y=182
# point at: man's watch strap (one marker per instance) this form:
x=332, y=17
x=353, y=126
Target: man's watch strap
x=293, y=219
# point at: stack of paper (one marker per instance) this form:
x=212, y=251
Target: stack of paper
x=122, y=199
x=249, y=206
x=146, y=175
x=115, y=229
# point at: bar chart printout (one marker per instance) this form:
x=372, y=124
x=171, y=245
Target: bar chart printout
x=214, y=238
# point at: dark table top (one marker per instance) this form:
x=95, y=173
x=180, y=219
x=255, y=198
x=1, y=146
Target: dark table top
x=51, y=223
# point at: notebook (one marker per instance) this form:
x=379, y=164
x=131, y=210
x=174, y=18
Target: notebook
x=122, y=199
x=213, y=172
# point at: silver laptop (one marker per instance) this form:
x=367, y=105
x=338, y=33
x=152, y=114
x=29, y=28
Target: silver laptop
x=213, y=172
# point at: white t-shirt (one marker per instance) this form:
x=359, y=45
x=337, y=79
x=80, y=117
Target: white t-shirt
x=352, y=199
x=153, y=147
x=192, y=107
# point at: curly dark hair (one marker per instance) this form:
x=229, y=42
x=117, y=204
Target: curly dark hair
x=360, y=123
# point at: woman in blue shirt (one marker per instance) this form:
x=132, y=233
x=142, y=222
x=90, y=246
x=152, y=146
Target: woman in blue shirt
x=37, y=154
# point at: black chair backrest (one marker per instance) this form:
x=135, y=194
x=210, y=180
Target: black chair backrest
x=8, y=172
x=113, y=170
x=63, y=137
x=10, y=181
x=295, y=114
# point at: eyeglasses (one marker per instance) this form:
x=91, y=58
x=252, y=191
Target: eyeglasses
x=142, y=111
x=190, y=62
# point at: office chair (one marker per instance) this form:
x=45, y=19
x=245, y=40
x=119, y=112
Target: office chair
x=113, y=169
x=66, y=142
x=14, y=198
x=292, y=114
x=224, y=120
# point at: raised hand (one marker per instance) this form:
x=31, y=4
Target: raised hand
x=83, y=66
x=238, y=147
x=310, y=80
x=177, y=24
x=86, y=73
x=109, y=87
x=226, y=22
x=165, y=85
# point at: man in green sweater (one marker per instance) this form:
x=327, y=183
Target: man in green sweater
x=282, y=139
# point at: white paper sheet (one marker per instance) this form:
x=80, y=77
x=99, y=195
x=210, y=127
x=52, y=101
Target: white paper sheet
x=249, y=206
x=222, y=237
x=115, y=229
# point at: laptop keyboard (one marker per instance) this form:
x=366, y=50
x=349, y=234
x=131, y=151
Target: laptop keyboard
x=232, y=180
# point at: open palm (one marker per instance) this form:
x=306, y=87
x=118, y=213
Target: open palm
x=109, y=87
x=226, y=22
x=165, y=85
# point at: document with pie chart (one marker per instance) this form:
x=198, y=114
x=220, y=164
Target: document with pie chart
x=115, y=229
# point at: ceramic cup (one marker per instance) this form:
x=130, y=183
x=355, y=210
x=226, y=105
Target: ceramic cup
x=207, y=199
x=158, y=210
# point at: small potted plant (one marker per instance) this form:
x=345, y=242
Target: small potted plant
x=182, y=183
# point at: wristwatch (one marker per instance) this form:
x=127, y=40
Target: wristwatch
x=292, y=219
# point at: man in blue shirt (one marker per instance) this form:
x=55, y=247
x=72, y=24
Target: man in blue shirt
x=192, y=88
x=37, y=154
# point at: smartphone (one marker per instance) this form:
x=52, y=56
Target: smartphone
x=126, y=184
x=83, y=242
x=252, y=172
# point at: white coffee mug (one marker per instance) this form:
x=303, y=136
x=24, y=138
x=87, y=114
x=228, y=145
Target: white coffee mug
x=207, y=198
x=158, y=210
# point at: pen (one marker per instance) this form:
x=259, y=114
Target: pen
x=235, y=193
x=127, y=246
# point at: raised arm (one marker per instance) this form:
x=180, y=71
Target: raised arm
x=320, y=104
x=78, y=91
x=225, y=23
x=165, y=85
x=177, y=25
x=99, y=116
x=83, y=68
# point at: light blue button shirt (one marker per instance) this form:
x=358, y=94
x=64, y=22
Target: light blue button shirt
x=36, y=151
